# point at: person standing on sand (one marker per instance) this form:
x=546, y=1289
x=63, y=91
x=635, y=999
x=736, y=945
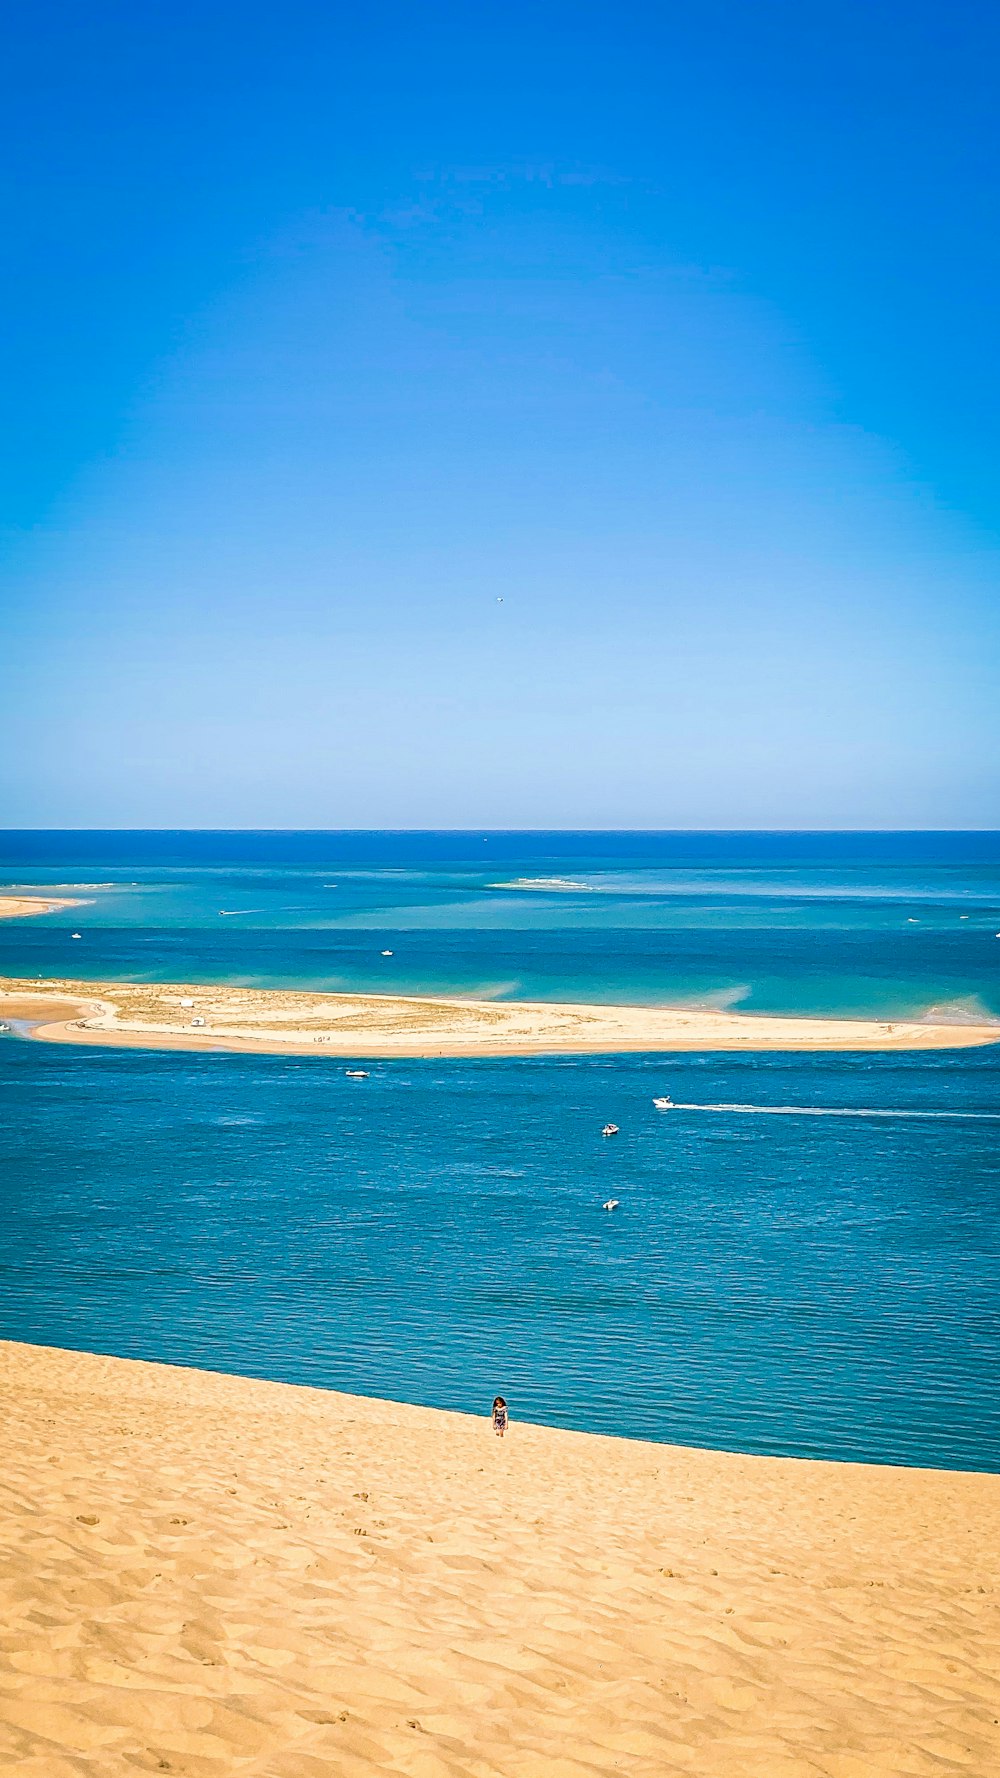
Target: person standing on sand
x=499, y=1415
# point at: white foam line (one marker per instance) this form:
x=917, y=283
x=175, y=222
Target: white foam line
x=837, y=1111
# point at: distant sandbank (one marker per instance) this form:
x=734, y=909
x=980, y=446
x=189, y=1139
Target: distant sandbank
x=16, y=907
x=176, y=1015
x=213, y=1574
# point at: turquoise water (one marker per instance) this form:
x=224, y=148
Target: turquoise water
x=892, y=926
x=820, y=1285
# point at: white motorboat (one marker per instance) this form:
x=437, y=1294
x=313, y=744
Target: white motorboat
x=612, y=1204
x=610, y=1130
x=356, y=1073
x=665, y=1103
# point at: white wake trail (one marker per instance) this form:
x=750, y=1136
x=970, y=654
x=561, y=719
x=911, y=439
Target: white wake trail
x=837, y=1111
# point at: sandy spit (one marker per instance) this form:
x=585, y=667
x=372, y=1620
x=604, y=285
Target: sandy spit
x=209, y=1575
x=173, y=1015
x=15, y=907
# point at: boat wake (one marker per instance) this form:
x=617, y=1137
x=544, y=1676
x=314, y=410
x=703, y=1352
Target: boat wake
x=838, y=1111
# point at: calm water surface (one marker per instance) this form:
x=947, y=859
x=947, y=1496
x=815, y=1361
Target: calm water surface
x=823, y=1286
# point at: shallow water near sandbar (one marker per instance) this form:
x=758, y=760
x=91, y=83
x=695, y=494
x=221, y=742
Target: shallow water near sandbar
x=843, y=925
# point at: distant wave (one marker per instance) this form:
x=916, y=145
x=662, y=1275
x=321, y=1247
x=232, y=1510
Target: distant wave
x=720, y=886
x=969, y=1010
x=838, y=1111
x=491, y=991
x=566, y=885
x=717, y=999
x=51, y=891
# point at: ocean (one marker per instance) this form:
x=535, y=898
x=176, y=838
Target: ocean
x=773, y=1280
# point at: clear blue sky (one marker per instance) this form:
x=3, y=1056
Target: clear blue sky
x=326, y=328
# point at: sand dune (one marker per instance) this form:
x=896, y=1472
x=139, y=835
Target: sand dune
x=207, y=1575
x=212, y=1016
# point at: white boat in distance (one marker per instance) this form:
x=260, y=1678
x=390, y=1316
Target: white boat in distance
x=356, y=1073
x=610, y=1130
x=664, y=1104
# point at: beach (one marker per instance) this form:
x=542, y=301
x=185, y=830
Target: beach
x=210, y=1574
x=175, y=1015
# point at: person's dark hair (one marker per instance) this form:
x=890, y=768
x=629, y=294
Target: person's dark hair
x=498, y=1401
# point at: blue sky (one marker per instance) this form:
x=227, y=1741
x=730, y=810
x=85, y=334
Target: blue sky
x=327, y=329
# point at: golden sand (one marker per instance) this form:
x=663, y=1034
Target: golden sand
x=207, y=1575
x=199, y=1016
x=16, y=907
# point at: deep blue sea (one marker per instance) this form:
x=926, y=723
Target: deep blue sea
x=818, y=1285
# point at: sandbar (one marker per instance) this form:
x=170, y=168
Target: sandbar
x=17, y=907
x=206, y=1574
x=177, y=1015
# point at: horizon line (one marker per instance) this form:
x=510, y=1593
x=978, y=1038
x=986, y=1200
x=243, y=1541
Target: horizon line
x=505, y=831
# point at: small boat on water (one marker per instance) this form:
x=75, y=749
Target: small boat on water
x=4, y=1027
x=356, y=1073
x=612, y=1204
x=665, y=1103
x=610, y=1130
